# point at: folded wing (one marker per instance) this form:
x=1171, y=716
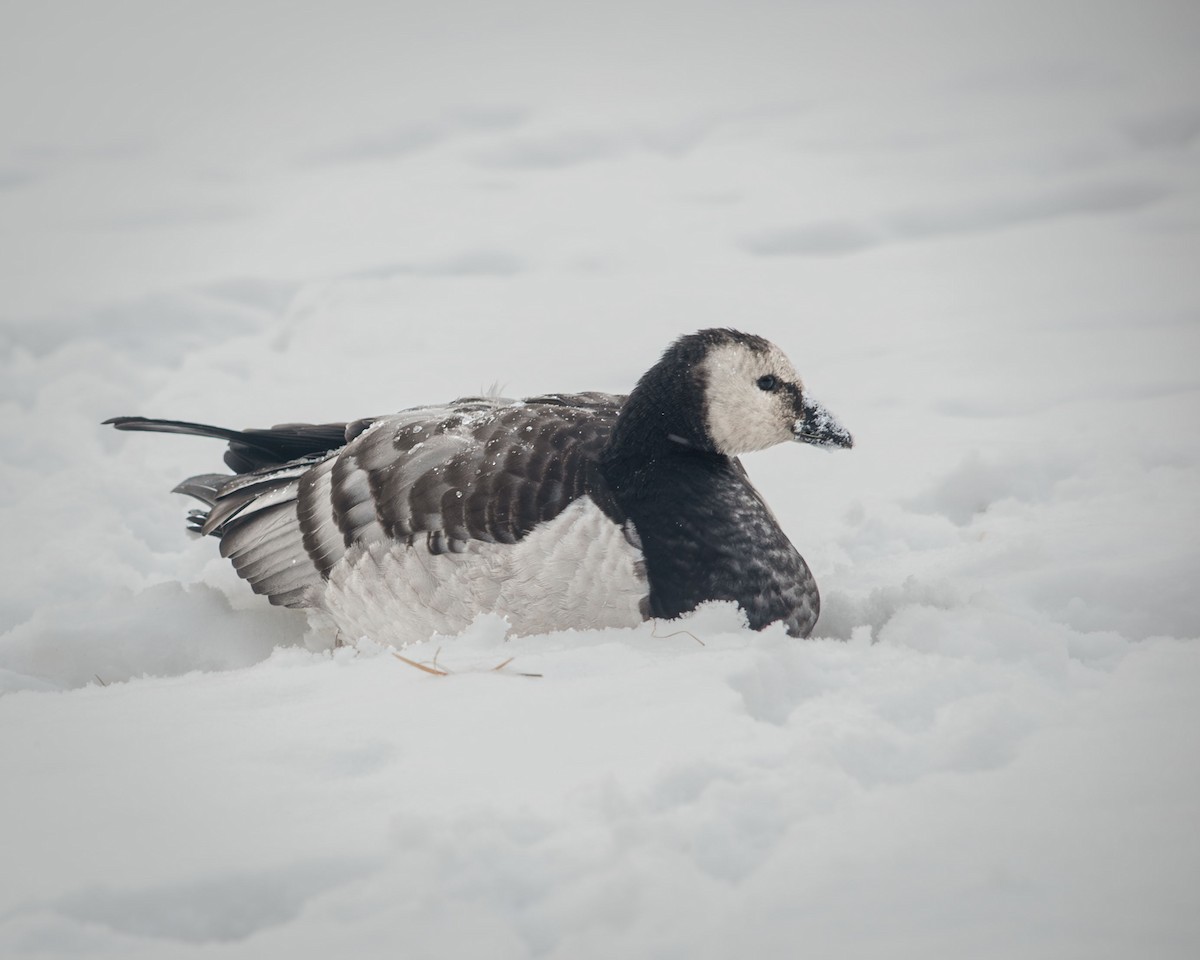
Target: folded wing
x=431, y=478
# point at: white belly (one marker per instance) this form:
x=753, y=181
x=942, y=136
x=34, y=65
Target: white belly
x=577, y=571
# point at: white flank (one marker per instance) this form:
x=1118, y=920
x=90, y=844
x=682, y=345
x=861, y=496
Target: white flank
x=575, y=571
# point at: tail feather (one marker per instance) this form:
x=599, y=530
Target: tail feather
x=195, y=522
x=254, y=449
x=206, y=488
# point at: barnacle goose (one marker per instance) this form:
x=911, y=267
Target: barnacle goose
x=560, y=511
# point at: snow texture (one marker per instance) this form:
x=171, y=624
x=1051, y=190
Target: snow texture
x=974, y=228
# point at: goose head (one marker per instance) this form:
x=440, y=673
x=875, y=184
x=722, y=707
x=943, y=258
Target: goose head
x=727, y=392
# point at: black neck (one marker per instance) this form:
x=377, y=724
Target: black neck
x=707, y=535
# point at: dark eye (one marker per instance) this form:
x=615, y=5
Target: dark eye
x=769, y=382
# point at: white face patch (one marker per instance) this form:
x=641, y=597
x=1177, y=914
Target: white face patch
x=740, y=415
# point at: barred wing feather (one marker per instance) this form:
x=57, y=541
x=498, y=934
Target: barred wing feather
x=431, y=478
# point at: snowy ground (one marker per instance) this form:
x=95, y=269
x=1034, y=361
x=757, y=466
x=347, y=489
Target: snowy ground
x=975, y=227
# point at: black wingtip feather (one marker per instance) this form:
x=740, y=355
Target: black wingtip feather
x=254, y=449
x=185, y=427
